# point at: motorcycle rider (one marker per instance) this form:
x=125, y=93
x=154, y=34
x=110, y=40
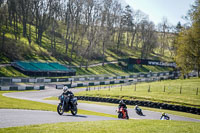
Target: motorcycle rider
x=68, y=95
x=164, y=115
x=138, y=109
x=123, y=105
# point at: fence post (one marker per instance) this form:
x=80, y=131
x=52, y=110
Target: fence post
x=197, y=91
x=87, y=88
x=1, y=81
x=164, y=89
x=149, y=88
x=109, y=88
x=135, y=86
x=121, y=88
x=181, y=89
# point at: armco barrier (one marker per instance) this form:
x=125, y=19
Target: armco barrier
x=72, y=79
x=20, y=88
x=73, y=85
x=144, y=103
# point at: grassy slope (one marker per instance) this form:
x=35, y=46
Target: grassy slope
x=24, y=51
x=171, y=95
x=10, y=72
x=123, y=126
x=114, y=69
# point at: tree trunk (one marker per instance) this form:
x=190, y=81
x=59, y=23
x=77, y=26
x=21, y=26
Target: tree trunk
x=198, y=71
x=24, y=27
x=3, y=41
x=132, y=40
x=118, y=42
x=29, y=35
x=103, y=53
x=127, y=39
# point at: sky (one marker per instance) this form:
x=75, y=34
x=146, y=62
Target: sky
x=173, y=10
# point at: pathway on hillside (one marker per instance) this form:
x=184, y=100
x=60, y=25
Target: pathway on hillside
x=97, y=64
x=5, y=65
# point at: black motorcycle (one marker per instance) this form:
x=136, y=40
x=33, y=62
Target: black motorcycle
x=67, y=104
x=165, y=117
x=139, y=111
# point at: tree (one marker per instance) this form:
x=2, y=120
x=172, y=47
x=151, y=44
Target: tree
x=3, y=25
x=148, y=37
x=127, y=22
x=42, y=18
x=164, y=29
x=188, y=43
x=178, y=27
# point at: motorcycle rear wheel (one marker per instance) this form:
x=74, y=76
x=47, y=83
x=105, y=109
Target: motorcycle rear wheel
x=120, y=115
x=74, y=110
x=60, y=109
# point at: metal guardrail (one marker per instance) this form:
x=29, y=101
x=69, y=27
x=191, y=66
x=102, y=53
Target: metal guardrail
x=6, y=80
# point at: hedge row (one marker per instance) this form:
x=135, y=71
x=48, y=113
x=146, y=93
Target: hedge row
x=144, y=103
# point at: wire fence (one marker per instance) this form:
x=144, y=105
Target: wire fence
x=161, y=87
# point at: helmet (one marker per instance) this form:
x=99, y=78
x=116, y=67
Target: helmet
x=65, y=88
x=136, y=105
x=121, y=102
x=163, y=113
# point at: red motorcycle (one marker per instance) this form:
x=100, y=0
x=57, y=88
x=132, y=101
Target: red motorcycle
x=122, y=113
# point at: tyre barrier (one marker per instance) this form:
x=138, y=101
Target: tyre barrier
x=144, y=103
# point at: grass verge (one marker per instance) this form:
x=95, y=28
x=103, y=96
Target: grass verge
x=136, y=126
x=177, y=92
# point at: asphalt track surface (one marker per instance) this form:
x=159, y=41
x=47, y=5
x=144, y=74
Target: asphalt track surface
x=13, y=117
x=17, y=117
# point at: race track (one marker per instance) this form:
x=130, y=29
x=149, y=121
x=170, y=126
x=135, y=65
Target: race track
x=17, y=117
x=9, y=116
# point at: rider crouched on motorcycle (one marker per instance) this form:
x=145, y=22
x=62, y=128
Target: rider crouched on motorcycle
x=123, y=105
x=164, y=115
x=68, y=95
x=138, y=110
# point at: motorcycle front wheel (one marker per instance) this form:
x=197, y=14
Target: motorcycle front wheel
x=127, y=117
x=60, y=109
x=74, y=110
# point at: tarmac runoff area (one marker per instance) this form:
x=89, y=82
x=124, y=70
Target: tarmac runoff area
x=17, y=117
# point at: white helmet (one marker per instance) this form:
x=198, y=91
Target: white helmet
x=65, y=88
